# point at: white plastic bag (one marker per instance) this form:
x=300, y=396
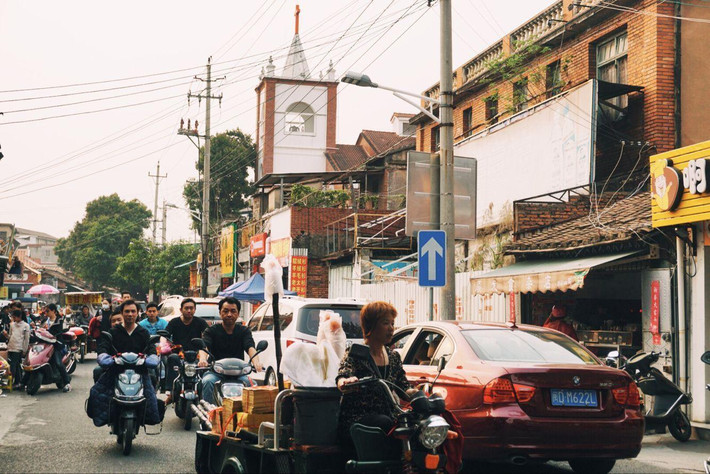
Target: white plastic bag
x=273, y=277
x=331, y=329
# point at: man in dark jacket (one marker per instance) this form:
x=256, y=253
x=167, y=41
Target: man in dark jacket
x=130, y=337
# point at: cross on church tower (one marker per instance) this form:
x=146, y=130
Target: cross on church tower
x=298, y=12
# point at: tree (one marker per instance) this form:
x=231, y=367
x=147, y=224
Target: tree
x=97, y=241
x=231, y=153
x=146, y=265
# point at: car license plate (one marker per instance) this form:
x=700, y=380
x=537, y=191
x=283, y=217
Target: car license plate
x=574, y=398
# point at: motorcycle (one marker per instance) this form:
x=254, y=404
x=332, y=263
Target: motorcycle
x=235, y=372
x=668, y=397
x=419, y=430
x=38, y=367
x=129, y=400
x=185, y=388
x=81, y=346
x=706, y=359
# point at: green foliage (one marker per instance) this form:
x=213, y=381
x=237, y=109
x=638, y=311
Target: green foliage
x=306, y=196
x=372, y=199
x=515, y=64
x=230, y=153
x=147, y=265
x=104, y=234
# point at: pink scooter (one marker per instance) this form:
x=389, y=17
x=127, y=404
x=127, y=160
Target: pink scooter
x=38, y=367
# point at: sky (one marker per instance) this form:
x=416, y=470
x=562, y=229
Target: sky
x=119, y=74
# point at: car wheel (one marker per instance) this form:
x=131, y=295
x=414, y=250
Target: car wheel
x=270, y=377
x=592, y=466
x=679, y=427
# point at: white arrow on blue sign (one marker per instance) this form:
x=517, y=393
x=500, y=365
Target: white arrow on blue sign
x=432, y=264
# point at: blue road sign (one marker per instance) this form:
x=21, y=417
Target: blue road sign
x=432, y=264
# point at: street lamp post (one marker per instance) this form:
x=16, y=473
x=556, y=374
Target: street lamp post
x=443, y=181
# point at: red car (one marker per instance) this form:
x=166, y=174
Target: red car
x=524, y=393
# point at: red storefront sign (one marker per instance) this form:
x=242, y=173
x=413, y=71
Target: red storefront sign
x=511, y=298
x=655, y=312
x=299, y=274
x=257, y=245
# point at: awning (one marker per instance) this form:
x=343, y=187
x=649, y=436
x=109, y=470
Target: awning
x=609, y=90
x=541, y=275
x=213, y=289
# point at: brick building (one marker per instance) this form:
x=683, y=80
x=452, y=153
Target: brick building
x=562, y=114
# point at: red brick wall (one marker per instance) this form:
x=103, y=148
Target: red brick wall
x=317, y=279
x=314, y=220
x=332, y=115
x=651, y=49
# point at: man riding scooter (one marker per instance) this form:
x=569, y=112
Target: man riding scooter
x=226, y=340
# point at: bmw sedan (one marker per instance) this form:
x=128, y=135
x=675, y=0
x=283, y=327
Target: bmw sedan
x=525, y=393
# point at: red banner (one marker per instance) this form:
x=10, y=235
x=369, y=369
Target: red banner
x=511, y=298
x=299, y=274
x=257, y=245
x=655, y=311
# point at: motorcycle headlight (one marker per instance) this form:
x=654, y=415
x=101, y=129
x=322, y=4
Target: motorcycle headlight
x=232, y=390
x=190, y=370
x=38, y=348
x=433, y=432
x=129, y=379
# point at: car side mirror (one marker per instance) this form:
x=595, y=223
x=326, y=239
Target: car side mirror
x=706, y=357
x=261, y=346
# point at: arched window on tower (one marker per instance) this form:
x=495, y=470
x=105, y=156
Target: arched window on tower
x=300, y=118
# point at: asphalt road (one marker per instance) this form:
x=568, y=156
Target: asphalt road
x=50, y=432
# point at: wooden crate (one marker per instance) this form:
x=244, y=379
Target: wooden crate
x=259, y=399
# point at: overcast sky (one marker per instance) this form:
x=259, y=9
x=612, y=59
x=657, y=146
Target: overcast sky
x=53, y=167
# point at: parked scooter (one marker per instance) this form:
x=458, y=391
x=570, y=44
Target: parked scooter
x=38, y=366
x=82, y=346
x=668, y=397
x=129, y=398
x=185, y=388
x=706, y=359
x=235, y=372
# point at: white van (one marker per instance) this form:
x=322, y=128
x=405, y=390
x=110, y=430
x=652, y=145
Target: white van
x=299, y=319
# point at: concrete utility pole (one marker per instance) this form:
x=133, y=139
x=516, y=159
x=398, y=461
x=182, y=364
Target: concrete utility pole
x=205, y=169
x=157, y=177
x=163, y=238
x=446, y=136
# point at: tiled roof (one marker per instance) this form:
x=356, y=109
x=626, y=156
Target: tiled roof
x=624, y=220
x=346, y=157
x=384, y=142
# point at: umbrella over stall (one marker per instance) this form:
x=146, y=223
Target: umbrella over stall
x=42, y=290
x=250, y=290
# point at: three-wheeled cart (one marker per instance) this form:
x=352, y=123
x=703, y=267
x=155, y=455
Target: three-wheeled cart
x=308, y=445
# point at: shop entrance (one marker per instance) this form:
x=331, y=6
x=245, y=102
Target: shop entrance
x=606, y=312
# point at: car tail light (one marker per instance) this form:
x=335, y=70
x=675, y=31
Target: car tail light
x=627, y=396
x=525, y=393
x=499, y=391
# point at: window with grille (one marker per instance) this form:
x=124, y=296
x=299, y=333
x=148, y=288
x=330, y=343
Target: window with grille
x=520, y=95
x=553, y=79
x=435, y=139
x=491, y=109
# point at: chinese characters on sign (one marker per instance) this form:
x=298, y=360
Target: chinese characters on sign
x=257, y=245
x=299, y=274
x=84, y=298
x=655, y=311
x=226, y=244
x=511, y=298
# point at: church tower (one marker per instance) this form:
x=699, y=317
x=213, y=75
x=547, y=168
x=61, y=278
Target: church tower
x=296, y=117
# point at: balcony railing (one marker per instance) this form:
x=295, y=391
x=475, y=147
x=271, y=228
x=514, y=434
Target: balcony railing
x=480, y=63
x=368, y=230
x=544, y=23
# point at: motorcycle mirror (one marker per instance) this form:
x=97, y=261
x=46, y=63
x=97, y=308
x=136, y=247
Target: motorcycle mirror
x=197, y=342
x=613, y=355
x=164, y=333
x=360, y=351
x=107, y=335
x=154, y=339
x=442, y=364
x=706, y=357
x=261, y=346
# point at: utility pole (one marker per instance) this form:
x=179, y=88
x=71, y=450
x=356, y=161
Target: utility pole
x=206, y=167
x=446, y=131
x=165, y=222
x=157, y=177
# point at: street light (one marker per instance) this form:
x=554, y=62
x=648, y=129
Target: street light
x=444, y=212
x=196, y=214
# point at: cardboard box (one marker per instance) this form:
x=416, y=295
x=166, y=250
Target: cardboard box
x=216, y=420
x=251, y=421
x=231, y=406
x=259, y=399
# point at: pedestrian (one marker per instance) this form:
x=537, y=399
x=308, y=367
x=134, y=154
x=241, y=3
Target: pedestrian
x=105, y=315
x=18, y=338
x=557, y=322
x=83, y=318
x=4, y=321
x=153, y=323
